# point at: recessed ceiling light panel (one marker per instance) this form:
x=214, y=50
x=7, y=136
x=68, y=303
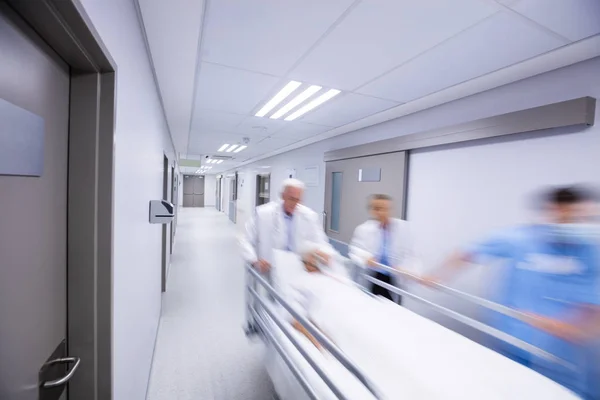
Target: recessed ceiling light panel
x=278, y=98
x=296, y=101
x=331, y=93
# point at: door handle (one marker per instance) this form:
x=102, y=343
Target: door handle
x=58, y=382
x=325, y=222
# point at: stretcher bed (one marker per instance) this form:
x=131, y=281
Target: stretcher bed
x=375, y=349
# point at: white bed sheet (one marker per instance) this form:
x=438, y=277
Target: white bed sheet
x=407, y=356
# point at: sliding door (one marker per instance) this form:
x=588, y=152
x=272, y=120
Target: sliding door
x=348, y=185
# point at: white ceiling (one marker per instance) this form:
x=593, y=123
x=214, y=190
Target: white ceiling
x=216, y=65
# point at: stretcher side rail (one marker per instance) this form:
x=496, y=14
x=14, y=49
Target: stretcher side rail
x=262, y=326
x=286, y=329
x=499, y=308
x=310, y=327
x=502, y=309
x=498, y=334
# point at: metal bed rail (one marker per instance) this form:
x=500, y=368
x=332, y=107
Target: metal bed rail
x=480, y=326
x=284, y=356
x=499, y=308
x=256, y=299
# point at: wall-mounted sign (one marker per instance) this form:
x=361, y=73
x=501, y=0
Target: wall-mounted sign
x=369, y=175
x=21, y=141
x=310, y=176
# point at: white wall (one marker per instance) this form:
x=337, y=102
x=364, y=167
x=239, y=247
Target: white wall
x=210, y=188
x=460, y=194
x=567, y=83
x=141, y=139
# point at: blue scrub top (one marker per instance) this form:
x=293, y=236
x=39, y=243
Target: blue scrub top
x=547, y=278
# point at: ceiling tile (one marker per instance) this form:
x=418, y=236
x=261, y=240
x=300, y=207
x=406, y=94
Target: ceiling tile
x=276, y=142
x=245, y=34
x=500, y=41
x=573, y=19
x=257, y=126
x=347, y=108
x=208, y=144
x=381, y=34
x=300, y=130
x=209, y=120
x=231, y=90
x=173, y=31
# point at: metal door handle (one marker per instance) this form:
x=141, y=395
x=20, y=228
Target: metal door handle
x=325, y=221
x=58, y=382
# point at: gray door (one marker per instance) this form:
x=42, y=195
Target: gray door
x=218, y=201
x=233, y=198
x=193, y=191
x=349, y=183
x=263, y=189
x=33, y=226
x=199, y=192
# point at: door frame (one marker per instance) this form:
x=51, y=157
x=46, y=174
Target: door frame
x=165, y=254
x=174, y=202
x=66, y=28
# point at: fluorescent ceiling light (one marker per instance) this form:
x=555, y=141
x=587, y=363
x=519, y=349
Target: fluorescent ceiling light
x=240, y=149
x=232, y=148
x=278, y=98
x=315, y=103
x=222, y=148
x=219, y=161
x=296, y=101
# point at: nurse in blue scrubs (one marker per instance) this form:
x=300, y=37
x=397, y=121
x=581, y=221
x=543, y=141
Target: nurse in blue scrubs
x=553, y=274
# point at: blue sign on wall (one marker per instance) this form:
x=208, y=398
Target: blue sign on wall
x=21, y=141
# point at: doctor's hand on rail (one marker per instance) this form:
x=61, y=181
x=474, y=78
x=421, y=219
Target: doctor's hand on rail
x=562, y=329
x=579, y=330
x=372, y=262
x=262, y=266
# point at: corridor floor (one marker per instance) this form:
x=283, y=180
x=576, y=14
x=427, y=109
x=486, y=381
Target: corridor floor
x=201, y=350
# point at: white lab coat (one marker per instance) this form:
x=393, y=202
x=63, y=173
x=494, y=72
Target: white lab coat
x=367, y=240
x=267, y=230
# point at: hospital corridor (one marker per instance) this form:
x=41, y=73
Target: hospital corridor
x=201, y=350
x=299, y=199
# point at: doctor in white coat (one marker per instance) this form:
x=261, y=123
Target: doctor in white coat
x=384, y=240
x=285, y=225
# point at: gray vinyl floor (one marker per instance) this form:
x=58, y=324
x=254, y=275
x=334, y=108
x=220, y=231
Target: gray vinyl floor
x=201, y=350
